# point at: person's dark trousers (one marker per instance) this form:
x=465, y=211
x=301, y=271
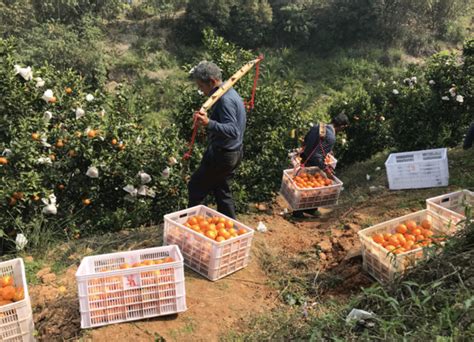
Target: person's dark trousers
x=214, y=175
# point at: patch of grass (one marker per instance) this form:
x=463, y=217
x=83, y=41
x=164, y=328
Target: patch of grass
x=31, y=268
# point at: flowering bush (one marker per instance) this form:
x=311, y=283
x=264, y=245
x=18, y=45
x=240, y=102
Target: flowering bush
x=77, y=158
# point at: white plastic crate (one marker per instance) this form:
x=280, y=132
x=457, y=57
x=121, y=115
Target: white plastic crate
x=109, y=294
x=418, y=169
x=16, y=319
x=212, y=259
x=299, y=199
x=452, y=205
x=382, y=264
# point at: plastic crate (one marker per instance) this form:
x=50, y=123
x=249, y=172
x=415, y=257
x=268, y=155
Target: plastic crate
x=452, y=205
x=16, y=319
x=109, y=294
x=299, y=199
x=384, y=266
x=212, y=259
x=418, y=169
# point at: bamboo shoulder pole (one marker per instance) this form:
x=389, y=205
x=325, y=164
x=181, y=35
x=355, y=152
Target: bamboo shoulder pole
x=228, y=84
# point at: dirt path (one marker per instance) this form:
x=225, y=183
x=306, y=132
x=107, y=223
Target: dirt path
x=322, y=253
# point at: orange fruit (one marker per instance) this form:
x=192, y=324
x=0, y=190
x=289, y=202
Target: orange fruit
x=8, y=292
x=220, y=226
x=232, y=231
x=224, y=233
x=72, y=153
x=192, y=221
x=125, y=266
x=18, y=195
x=387, y=236
x=204, y=225
x=52, y=157
x=5, y=302
x=59, y=143
x=86, y=201
x=401, y=228
x=68, y=90
x=426, y=224
x=229, y=224
x=92, y=133
x=410, y=224
x=409, y=237
x=427, y=233
x=61, y=186
x=35, y=136
x=52, y=99
x=416, y=231
x=211, y=234
x=114, y=141
x=390, y=247
x=169, y=259
x=212, y=226
x=378, y=238
x=3, y=161
x=241, y=231
x=6, y=281
x=196, y=228
x=220, y=238
x=19, y=294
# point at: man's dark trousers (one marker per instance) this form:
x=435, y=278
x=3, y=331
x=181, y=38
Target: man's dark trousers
x=214, y=175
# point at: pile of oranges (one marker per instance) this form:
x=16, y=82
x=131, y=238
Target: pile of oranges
x=8, y=292
x=216, y=228
x=139, y=264
x=408, y=236
x=307, y=181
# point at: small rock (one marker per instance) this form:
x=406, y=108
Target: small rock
x=262, y=207
x=325, y=246
x=323, y=256
x=336, y=232
x=352, y=226
x=335, y=241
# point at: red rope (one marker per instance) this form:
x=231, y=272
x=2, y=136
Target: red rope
x=187, y=155
x=250, y=104
x=302, y=165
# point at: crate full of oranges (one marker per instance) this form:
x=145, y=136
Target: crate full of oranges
x=132, y=285
x=212, y=244
x=392, y=247
x=309, y=188
x=16, y=317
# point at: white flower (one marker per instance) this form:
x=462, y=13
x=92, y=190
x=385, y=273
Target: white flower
x=50, y=205
x=407, y=81
x=395, y=92
x=131, y=190
x=146, y=191
x=452, y=91
x=413, y=79
x=431, y=82
x=44, y=161
x=44, y=142
x=89, y=97
x=311, y=124
x=138, y=140
x=191, y=70
x=144, y=177
x=92, y=172
x=39, y=82
x=6, y=152
x=48, y=95
x=166, y=172
x=367, y=176
x=47, y=116
x=79, y=113
x=343, y=141
x=172, y=161
x=445, y=98
x=200, y=92
x=20, y=242
x=142, y=190
x=50, y=209
x=460, y=98
x=394, y=82
x=377, y=168
x=26, y=73
x=101, y=113
x=382, y=118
